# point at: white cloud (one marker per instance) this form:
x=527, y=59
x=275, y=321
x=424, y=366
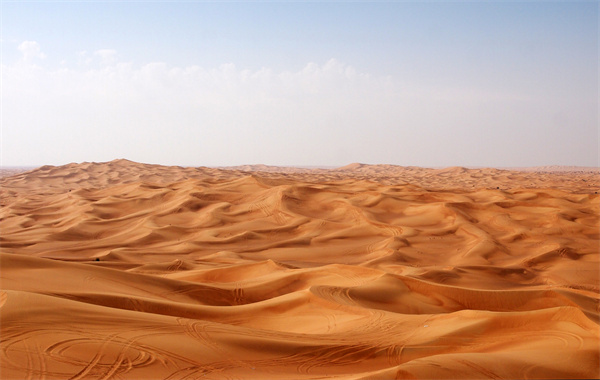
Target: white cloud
x=83, y=58
x=107, y=56
x=31, y=50
x=218, y=109
x=324, y=113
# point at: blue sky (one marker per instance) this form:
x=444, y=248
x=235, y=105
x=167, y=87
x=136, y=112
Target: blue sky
x=302, y=83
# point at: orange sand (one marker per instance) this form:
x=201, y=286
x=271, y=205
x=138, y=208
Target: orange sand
x=365, y=271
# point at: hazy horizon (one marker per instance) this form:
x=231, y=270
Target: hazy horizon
x=30, y=167
x=435, y=84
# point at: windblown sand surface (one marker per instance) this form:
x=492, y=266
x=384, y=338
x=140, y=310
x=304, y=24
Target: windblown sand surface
x=125, y=270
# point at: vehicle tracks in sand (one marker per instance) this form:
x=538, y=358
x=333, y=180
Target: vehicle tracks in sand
x=201, y=331
x=305, y=353
x=85, y=354
x=238, y=294
x=480, y=369
x=102, y=364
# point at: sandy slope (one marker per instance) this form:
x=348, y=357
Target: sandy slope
x=125, y=270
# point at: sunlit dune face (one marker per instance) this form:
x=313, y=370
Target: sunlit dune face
x=125, y=270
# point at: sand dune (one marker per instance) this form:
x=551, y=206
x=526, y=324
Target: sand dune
x=127, y=270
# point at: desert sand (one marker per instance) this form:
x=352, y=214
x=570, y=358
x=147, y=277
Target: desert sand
x=122, y=270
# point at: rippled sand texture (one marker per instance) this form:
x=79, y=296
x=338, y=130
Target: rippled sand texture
x=124, y=270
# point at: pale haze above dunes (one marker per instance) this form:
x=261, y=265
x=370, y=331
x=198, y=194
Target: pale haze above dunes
x=434, y=84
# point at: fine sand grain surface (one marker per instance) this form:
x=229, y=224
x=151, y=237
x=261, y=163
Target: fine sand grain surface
x=123, y=270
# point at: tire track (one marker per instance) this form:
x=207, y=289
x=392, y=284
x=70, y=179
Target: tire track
x=201, y=331
x=238, y=294
x=113, y=354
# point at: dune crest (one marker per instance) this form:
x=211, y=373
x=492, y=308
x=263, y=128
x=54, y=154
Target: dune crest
x=130, y=270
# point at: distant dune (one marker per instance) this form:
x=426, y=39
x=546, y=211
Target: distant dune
x=121, y=270
x=573, y=178
x=558, y=168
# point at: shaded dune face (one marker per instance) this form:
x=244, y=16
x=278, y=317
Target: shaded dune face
x=125, y=270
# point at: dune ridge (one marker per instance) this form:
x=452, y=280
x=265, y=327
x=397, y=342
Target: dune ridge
x=129, y=270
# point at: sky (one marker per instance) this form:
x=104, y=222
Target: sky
x=192, y=83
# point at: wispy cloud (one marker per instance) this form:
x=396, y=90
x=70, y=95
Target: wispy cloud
x=150, y=105
x=107, y=56
x=323, y=113
x=31, y=50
